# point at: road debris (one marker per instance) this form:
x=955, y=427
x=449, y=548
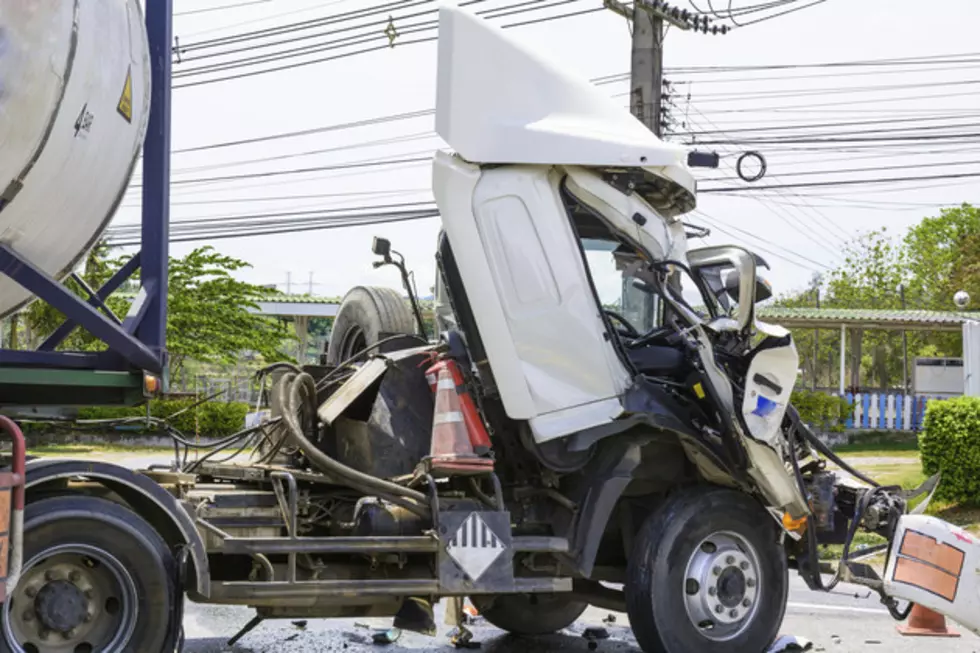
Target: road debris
x=609, y=619
x=386, y=636
x=791, y=644
x=462, y=637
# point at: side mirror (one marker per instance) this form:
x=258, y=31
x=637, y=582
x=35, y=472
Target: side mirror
x=763, y=289
x=381, y=247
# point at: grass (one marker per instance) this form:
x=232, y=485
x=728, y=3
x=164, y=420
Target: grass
x=93, y=448
x=879, y=450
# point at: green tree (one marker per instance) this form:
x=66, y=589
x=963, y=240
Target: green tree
x=940, y=253
x=209, y=317
x=935, y=258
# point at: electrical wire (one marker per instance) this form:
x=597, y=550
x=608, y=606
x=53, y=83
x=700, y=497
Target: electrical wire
x=206, y=10
x=725, y=226
x=384, y=46
x=843, y=182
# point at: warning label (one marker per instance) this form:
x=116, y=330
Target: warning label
x=125, y=106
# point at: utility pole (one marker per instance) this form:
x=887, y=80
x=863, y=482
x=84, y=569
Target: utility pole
x=647, y=67
x=647, y=70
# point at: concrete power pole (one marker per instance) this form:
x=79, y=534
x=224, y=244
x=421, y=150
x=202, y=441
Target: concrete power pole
x=647, y=70
x=647, y=67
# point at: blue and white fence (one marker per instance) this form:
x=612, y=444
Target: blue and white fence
x=887, y=411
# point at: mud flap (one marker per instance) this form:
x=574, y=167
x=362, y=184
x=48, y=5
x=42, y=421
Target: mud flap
x=476, y=553
x=935, y=564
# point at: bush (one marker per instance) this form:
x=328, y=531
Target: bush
x=950, y=443
x=821, y=411
x=211, y=419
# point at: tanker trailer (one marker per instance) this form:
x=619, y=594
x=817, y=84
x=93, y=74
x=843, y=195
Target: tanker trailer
x=74, y=102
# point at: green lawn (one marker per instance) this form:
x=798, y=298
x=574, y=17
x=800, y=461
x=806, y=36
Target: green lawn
x=69, y=450
x=879, y=449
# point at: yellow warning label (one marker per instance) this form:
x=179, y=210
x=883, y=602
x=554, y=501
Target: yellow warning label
x=699, y=391
x=125, y=106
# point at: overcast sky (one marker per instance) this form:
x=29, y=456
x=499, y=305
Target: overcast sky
x=402, y=79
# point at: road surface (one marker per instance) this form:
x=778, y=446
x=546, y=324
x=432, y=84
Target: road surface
x=835, y=623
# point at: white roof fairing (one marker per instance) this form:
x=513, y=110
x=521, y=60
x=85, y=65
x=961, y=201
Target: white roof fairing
x=501, y=101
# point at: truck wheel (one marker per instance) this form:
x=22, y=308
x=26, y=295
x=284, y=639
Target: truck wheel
x=96, y=578
x=529, y=614
x=364, y=314
x=707, y=573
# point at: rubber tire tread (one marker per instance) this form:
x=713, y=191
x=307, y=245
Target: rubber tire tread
x=658, y=563
x=107, y=525
x=373, y=309
x=517, y=615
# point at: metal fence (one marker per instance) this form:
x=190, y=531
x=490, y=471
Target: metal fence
x=231, y=388
x=886, y=411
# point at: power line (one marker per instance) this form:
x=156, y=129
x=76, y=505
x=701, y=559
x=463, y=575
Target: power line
x=717, y=223
x=764, y=95
x=939, y=164
x=859, y=123
x=237, y=220
x=908, y=61
x=301, y=25
x=237, y=5
x=821, y=219
x=843, y=182
x=297, y=171
x=331, y=224
x=271, y=58
x=367, y=122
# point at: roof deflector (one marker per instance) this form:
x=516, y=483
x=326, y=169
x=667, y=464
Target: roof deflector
x=499, y=100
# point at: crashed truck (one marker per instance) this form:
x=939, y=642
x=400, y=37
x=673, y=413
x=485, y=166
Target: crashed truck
x=598, y=419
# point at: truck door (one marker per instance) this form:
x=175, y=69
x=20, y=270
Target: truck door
x=522, y=266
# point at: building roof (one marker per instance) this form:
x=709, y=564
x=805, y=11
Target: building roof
x=914, y=320
x=283, y=298
x=283, y=305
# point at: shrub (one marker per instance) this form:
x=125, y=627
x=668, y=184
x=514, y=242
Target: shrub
x=821, y=411
x=211, y=419
x=950, y=443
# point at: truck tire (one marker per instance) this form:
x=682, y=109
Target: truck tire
x=529, y=614
x=365, y=313
x=97, y=577
x=707, y=573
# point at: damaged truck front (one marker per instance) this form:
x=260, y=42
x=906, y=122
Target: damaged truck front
x=600, y=419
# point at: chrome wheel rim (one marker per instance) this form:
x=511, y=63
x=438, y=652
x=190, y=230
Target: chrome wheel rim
x=72, y=598
x=722, y=586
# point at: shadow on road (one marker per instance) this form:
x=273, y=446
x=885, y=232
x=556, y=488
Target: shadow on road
x=491, y=641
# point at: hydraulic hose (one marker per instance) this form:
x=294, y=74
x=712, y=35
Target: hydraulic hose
x=826, y=451
x=355, y=479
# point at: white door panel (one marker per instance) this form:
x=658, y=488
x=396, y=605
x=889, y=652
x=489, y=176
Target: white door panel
x=552, y=355
x=453, y=183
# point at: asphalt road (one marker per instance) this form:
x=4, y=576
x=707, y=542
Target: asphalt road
x=836, y=623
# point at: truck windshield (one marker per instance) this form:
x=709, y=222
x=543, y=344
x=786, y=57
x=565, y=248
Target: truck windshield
x=615, y=288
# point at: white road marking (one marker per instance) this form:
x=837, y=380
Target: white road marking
x=834, y=608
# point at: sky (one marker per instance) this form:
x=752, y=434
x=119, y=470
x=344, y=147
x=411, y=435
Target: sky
x=799, y=232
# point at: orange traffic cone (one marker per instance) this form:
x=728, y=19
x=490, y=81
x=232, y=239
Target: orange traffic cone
x=452, y=452
x=924, y=622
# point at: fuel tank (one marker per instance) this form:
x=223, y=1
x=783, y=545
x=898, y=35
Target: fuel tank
x=74, y=102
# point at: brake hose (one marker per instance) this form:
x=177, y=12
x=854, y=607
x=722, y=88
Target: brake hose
x=354, y=478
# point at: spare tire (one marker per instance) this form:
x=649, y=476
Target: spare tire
x=367, y=314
